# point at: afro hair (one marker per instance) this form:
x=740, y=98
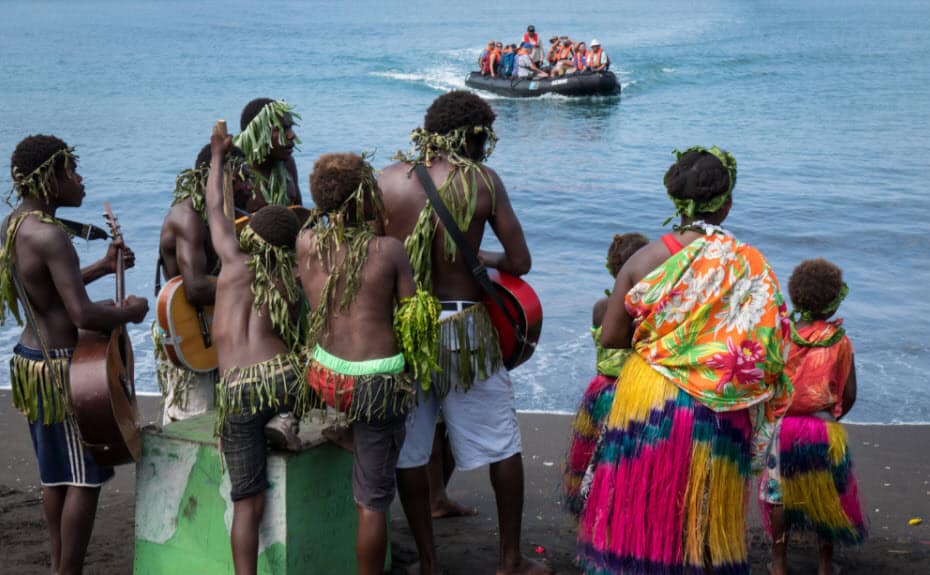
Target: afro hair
x=276, y=225
x=623, y=246
x=335, y=178
x=814, y=285
x=33, y=151
x=206, y=154
x=251, y=110
x=698, y=176
x=457, y=109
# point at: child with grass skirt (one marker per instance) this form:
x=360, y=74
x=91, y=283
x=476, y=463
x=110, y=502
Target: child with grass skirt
x=808, y=483
x=595, y=403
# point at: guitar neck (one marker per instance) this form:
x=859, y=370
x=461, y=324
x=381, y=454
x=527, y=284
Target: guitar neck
x=120, y=269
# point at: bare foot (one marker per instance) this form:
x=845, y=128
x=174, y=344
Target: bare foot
x=527, y=567
x=448, y=508
x=340, y=435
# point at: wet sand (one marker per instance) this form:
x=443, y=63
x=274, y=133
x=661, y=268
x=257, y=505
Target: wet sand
x=892, y=465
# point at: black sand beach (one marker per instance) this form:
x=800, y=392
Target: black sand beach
x=891, y=462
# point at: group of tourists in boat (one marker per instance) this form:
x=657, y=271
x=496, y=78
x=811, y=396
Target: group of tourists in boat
x=565, y=56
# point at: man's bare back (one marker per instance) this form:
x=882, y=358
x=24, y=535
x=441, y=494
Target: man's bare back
x=186, y=249
x=404, y=198
x=385, y=278
x=243, y=335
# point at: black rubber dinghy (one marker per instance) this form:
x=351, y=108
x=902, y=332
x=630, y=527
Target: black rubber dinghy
x=580, y=84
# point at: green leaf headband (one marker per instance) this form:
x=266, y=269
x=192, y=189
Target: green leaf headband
x=427, y=145
x=689, y=207
x=192, y=183
x=39, y=182
x=255, y=139
x=830, y=309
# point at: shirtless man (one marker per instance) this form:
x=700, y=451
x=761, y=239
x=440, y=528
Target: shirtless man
x=353, y=280
x=184, y=249
x=476, y=399
x=268, y=140
x=254, y=330
x=47, y=268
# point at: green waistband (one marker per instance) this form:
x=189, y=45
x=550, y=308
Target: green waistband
x=385, y=365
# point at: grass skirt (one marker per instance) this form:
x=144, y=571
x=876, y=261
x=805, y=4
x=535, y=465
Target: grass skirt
x=815, y=481
x=670, y=483
x=586, y=430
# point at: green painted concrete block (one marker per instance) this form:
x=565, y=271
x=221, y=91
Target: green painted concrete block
x=184, y=514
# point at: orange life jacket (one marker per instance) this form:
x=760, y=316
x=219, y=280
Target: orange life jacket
x=566, y=53
x=552, y=56
x=597, y=57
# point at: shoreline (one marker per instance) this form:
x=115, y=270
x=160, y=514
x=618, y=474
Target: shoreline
x=893, y=475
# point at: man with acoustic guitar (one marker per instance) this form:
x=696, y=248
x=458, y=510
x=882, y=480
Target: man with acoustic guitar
x=40, y=271
x=184, y=249
x=472, y=388
x=255, y=333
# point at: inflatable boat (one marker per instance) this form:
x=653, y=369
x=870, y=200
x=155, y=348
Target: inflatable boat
x=579, y=84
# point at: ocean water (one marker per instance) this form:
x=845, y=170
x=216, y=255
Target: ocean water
x=825, y=105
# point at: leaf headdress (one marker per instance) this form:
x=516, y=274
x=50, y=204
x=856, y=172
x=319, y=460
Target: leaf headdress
x=459, y=192
x=40, y=182
x=689, y=207
x=192, y=183
x=256, y=142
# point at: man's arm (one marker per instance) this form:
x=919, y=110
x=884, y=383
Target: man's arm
x=64, y=268
x=107, y=264
x=222, y=229
x=192, y=260
x=617, y=325
x=515, y=259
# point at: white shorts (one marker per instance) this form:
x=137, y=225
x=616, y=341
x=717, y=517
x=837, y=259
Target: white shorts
x=481, y=423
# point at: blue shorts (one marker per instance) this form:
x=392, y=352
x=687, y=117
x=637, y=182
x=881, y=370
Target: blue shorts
x=58, y=447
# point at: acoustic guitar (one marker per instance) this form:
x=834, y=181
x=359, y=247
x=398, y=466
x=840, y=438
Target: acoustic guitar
x=185, y=328
x=518, y=342
x=103, y=391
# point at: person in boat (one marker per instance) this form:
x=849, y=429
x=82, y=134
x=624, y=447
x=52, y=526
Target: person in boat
x=507, y=60
x=552, y=56
x=184, y=250
x=699, y=396
x=581, y=58
x=531, y=38
x=565, y=60
x=808, y=483
x=483, y=59
x=255, y=333
x=525, y=67
x=473, y=387
x=371, y=331
x=598, y=61
x=267, y=138
x=39, y=265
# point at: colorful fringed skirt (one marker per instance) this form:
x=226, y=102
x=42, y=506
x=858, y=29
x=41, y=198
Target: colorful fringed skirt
x=810, y=473
x=670, y=483
x=586, y=430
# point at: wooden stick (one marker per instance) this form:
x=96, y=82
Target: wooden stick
x=228, y=207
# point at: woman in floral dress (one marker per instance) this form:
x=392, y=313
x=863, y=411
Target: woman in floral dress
x=697, y=400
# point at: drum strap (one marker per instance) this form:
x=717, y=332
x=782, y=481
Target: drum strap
x=468, y=254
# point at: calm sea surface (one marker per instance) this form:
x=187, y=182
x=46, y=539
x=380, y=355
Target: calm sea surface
x=825, y=105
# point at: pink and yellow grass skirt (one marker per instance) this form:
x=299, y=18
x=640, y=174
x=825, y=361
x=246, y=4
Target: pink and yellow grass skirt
x=670, y=483
x=586, y=430
x=811, y=475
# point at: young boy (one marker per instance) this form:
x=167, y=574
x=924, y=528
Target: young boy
x=808, y=482
x=38, y=256
x=255, y=332
x=359, y=347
